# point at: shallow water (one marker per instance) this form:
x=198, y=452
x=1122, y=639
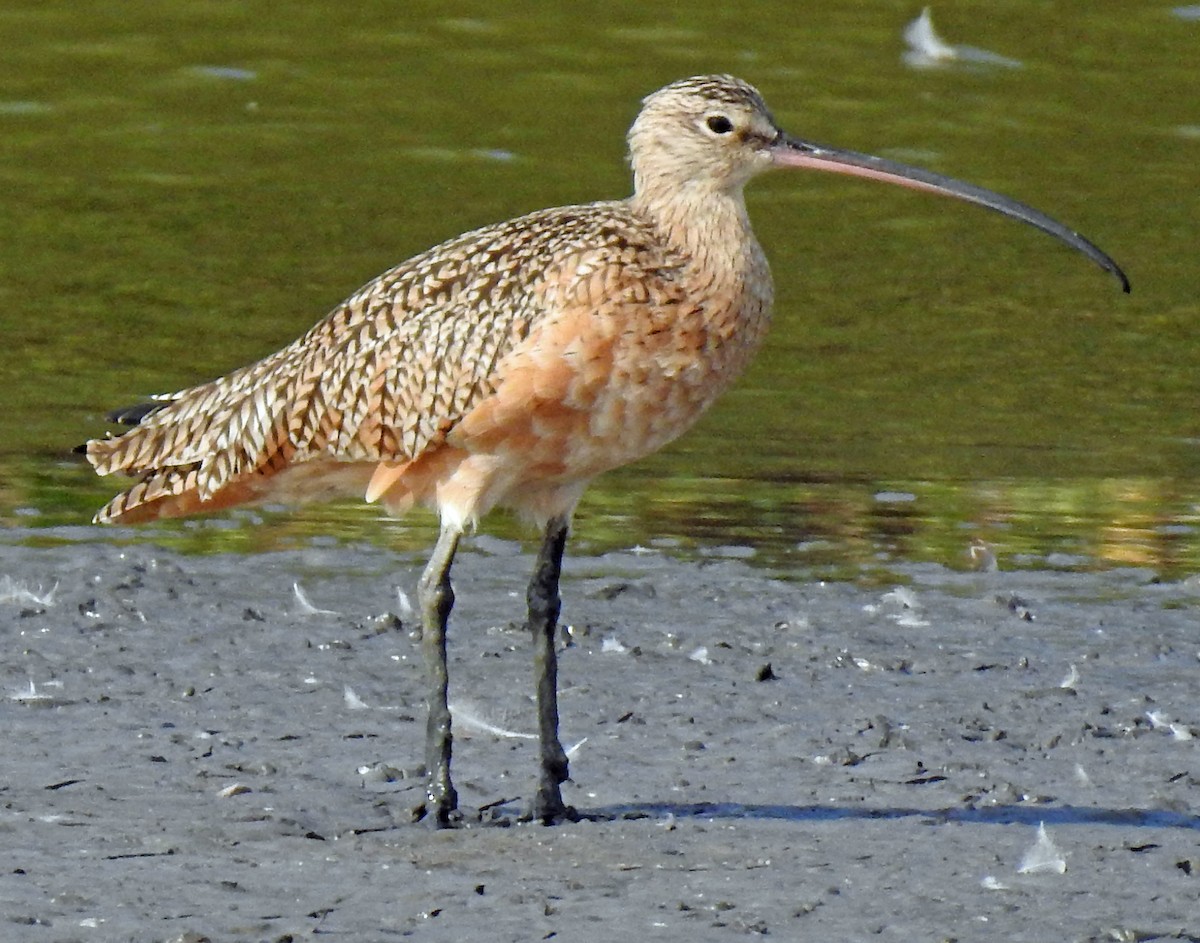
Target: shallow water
x=190, y=185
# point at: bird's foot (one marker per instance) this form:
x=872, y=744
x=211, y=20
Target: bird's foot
x=548, y=808
x=440, y=808
x=437, y=816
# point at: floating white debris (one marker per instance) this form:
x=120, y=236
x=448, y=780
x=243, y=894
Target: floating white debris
x=465, y=717
x=1071, y=679
x=700, y=656
x=383, y=773
x=924, y=43
x=306, y=607
x=1159, y=721
x=572, y=750
x=905, y=600
x=20, y=593
x=24, y=108
x=611, y=643
x=28, y=696
x=494, y=153
x=37, y=698
x=902, y=596
x=229, y=73
x=927, y=50
x=234, y=789
x=1081, y=776
x=402, y=601
x=353, y=701
x=993, y=884
x=52, y=818
x=1043, y=857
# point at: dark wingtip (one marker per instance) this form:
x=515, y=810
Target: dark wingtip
x=133, y=415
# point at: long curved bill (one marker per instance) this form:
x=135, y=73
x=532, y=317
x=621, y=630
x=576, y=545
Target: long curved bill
x=788, y=152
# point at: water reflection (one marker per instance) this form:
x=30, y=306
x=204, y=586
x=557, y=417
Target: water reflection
x=798, y=528
x=841, y=529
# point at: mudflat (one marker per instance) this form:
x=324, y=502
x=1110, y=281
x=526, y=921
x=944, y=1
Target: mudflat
x=196, y=750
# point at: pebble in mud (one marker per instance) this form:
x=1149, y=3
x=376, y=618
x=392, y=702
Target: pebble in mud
x=943, y=754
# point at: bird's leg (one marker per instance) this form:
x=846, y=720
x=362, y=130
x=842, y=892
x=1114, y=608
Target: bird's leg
x=437, y=599
x=544, y=605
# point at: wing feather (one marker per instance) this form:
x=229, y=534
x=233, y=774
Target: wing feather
x=386, y=375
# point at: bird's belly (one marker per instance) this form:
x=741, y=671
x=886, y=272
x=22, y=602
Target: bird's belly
x=587, y=398
x=539, y=461
x=584, y=395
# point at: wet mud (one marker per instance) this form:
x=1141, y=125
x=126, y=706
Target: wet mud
x=195, y=749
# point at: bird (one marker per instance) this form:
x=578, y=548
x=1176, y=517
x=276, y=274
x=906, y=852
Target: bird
x=509, y=367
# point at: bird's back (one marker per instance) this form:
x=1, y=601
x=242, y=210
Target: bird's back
x=392, y=373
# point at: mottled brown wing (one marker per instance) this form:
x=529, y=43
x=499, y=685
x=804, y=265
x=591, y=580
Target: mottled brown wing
x=383, y=377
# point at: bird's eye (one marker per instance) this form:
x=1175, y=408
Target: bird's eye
x=719, y=124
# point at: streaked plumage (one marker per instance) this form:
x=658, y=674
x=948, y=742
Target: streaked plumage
x=509, y=367
x=516, y=361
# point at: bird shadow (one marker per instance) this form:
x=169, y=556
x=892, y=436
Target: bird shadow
x=991, y=815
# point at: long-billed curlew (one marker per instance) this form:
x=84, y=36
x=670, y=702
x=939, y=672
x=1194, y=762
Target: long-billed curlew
x=509, y=367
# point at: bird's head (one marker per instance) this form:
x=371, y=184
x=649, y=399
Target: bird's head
x=710, y=134
x=711, y=131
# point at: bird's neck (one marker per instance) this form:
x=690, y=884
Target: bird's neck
x=711, y=228
x=725, y=270
x=708, y=224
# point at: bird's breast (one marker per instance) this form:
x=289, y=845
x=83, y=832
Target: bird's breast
x=630, y=361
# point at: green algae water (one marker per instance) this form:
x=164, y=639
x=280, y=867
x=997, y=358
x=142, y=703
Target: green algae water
x=186, y=186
